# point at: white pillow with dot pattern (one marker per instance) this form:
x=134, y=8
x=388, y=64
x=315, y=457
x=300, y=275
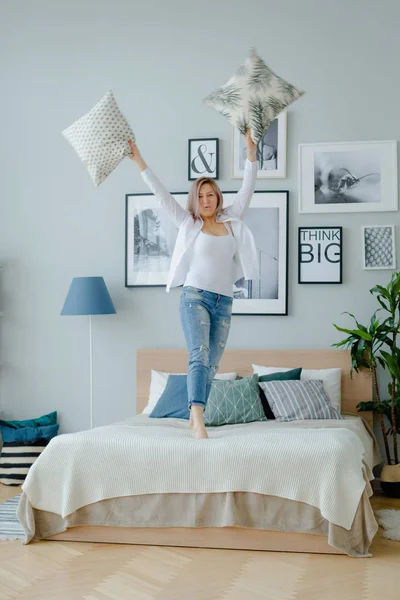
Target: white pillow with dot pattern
x=253, y=97
x=100, y=138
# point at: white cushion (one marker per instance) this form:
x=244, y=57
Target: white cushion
x=253, y=97
x=159, y=381
x=100, y=138
x=332, y=379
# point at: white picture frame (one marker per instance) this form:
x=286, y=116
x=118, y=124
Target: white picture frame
x=379, y=247
x=272, y=147
x=343, y=177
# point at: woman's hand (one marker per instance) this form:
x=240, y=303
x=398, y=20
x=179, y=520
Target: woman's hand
x=134, y=150
x=136, y=156
x=251, y=147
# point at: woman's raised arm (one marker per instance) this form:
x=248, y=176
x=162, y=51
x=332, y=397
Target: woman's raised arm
x=243, y=197
x=167, y=201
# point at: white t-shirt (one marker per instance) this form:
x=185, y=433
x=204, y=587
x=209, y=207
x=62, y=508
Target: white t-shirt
x=211, y=263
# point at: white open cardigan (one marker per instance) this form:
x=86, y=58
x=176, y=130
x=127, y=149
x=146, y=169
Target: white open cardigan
x=246, y=259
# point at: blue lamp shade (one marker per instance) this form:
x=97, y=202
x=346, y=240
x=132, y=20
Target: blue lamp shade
x=88, y=296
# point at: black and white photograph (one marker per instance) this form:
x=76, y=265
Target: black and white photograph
x=379, y=251
x=203, y=160
x=345, y=177
x=320, y=255
x=267, y=218
x=348, y=177
x=271, y=151
x=150, y=238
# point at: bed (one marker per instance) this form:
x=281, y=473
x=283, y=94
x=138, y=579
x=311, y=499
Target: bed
x=83, y=506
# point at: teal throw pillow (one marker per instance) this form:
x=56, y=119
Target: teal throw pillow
x=233, y=402
x=292, y=375
x=44, y=420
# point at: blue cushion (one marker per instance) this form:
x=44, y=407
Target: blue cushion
x=49, y=419
x=28, y=434
x=173, y=402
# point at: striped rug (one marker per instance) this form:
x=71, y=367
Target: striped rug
x=10, y=527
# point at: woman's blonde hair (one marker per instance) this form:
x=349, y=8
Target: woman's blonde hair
x=193, y=204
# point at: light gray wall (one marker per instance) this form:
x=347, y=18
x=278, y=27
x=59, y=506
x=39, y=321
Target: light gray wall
x=161, y=58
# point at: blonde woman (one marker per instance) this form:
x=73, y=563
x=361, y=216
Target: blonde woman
x=214, y=248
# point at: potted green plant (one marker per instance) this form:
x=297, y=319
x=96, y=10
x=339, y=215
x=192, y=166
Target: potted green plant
x=376, y=344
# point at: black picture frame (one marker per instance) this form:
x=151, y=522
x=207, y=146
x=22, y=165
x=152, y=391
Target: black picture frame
x=320, y=252
x=211, y=144
x=276, y=199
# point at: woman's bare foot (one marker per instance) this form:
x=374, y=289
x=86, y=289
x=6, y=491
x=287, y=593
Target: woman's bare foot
x=197, y=422
x=200, y=433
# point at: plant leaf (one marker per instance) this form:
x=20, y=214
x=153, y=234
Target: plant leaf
x=258, y=118
x=226, y=97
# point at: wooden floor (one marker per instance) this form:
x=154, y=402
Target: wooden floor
x=72, y=571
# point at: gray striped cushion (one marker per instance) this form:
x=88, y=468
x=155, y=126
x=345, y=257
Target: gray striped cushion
x=298, y=400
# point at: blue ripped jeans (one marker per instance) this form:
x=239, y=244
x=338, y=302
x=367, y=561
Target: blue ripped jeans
x=206, y=320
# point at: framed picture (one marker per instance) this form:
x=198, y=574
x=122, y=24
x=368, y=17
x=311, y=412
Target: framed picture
x=150, y=238
x=320, y=255
x=379, y=251
x=271, y=151
x=267, y=219
x=348, y=177
x=203, y=158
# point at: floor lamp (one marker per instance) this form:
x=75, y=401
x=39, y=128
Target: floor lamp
x=88, y=296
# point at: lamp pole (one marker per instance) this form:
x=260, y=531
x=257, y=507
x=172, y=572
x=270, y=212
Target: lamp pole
x=91, y=370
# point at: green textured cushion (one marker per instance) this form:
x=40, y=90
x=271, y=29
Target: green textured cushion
x=233, y=402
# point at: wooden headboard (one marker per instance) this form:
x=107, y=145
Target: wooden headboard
x=176, y=361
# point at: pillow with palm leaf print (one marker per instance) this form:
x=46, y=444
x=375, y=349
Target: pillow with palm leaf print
x=253, y=97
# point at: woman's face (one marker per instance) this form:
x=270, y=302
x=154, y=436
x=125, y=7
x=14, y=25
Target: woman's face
x=208, y=201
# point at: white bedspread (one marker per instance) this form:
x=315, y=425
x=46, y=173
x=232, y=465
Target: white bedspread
x=322, y=463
